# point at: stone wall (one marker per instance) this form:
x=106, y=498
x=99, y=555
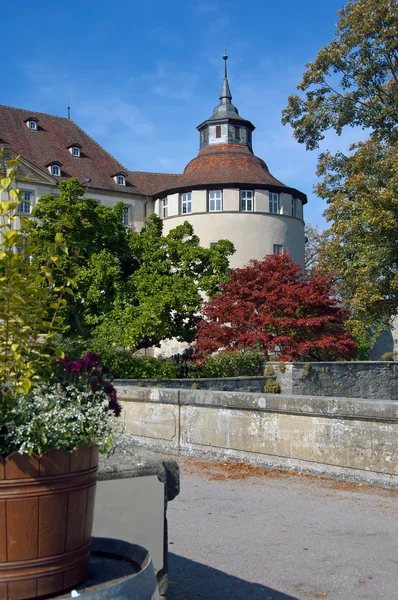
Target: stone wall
x=377, y=380
x=222, y=384
x=348, y=438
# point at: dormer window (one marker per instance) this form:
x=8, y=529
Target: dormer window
x=31, y=124
x=75, y=151
x=55, y=169
x=120, y=179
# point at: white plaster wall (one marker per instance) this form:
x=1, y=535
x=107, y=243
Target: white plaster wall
x=137, y=203
x=253, y=235
x=174, y=202
x=285, y=201
x=261, y=200
x=231, y=199
x=199, y=201
x=224, y=134
x=300, y=207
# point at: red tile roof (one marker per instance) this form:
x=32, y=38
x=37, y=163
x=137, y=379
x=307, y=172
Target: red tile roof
x=227, y=163
x=154, y=183
x=51, y=143
x=231, y=164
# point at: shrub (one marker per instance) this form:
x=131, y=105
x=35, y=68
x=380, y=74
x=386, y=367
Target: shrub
x=269, y=371
x=272, y=387
x=124, y=365
x=235, y=363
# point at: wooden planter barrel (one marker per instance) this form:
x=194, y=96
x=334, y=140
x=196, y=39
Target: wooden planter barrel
x=46, y=518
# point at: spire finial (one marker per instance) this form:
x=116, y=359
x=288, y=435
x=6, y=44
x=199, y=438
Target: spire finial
x=225, y=95
x=68, y=107
x=225, y=57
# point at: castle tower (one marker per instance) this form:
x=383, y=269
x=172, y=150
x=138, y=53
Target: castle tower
x=227, y=192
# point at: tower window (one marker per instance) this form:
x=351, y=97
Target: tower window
x=203, y=135
x=218, y=131
x=246, y=200
x=165, y=208
x=55, y=170
x=126, y=215
x=186, y=203
x=274, y=203
x=278, y=249
x=215, y=201
x=237, y=133
x=294, y=207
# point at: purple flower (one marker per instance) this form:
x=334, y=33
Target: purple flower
x=87, y=373
x=115, y=406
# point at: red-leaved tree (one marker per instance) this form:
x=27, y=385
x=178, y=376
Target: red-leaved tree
x=274, y=306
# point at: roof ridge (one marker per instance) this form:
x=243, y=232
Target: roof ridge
x=34, y=112
x=155, y=173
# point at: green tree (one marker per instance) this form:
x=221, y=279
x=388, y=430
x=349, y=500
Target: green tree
x=362, y=243
x=131, y=289
x=354, y=82
x=95, y=236
x=162, y=297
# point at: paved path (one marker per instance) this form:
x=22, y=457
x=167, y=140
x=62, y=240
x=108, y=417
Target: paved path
x=237, y=533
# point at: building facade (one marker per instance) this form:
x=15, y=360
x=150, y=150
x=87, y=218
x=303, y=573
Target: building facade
x=225, y=192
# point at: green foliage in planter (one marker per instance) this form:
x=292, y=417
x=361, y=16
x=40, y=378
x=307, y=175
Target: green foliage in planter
x=30, y=298
x=234, y=363
x=46, y=400
x=272, y=387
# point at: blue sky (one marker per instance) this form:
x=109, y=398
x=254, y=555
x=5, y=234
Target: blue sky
x=142, y=75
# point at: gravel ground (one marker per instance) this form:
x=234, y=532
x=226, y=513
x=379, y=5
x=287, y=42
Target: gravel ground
x=238, y=532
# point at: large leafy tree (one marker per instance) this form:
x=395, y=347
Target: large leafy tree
x=354, y=82
x=361, y=245
x=163, y=295
x=98, y=247
x=272, y=305
x=354, y=79
x=132, y=289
